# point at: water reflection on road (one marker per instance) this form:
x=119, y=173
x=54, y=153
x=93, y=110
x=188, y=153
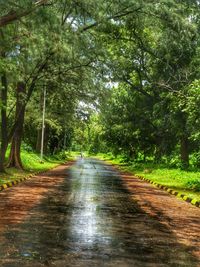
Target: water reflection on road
x=91, y=221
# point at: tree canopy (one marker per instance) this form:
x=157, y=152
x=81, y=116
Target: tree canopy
x=120, y=75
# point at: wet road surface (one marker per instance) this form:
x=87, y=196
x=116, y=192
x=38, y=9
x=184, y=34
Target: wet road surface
x=85, y=217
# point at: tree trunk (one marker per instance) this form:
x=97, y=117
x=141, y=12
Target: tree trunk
x=38, y=144
x=184, y=142
x=4, y=134
x=14, y=157
x=65, y=136
x=184, y=152
x=46, y=139
x=39, y=132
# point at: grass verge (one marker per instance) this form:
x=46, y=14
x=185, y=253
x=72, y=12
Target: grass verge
x=184, y=182
x=32, y=164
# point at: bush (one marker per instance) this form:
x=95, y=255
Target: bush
x=195, y=159
x=26, y=147
x=175, y=162
x=63, y=155
x=194, y=185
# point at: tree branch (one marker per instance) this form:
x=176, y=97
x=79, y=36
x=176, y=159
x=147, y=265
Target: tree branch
x=116, y=16
x=137, y=88
x=16, y=15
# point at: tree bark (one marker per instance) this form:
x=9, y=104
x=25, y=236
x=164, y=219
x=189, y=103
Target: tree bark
x=14, y=157
x=4, y=134
x=184, y=141
x=39, y=131
x=38, y=144
x=184, y=152
x=46, y=139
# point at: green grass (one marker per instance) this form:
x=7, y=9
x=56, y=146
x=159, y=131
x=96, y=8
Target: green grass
x=32, y=163
x=186, y=182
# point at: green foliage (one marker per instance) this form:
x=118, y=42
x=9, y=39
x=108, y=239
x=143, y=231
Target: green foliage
x=32, y=163
x=194, y=185
x=120, y=76
x=152, y=111
x=186, y=182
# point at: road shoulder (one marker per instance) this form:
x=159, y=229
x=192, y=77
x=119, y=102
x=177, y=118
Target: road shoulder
x=181, y=217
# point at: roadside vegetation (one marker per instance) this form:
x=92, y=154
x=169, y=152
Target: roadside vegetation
x=187, y=182
x=32, y=164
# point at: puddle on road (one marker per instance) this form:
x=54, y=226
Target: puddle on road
x=91, y=221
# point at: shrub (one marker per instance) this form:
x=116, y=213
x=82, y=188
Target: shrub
x=194, y=185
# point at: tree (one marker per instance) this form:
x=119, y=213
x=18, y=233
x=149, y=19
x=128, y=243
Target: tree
x=144, y=55
x=132, y=44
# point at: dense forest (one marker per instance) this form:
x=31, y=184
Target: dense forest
x=115, y=76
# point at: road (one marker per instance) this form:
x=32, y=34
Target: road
x=83, y=216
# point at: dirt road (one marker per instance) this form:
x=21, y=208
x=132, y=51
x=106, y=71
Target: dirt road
x=86, y=215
